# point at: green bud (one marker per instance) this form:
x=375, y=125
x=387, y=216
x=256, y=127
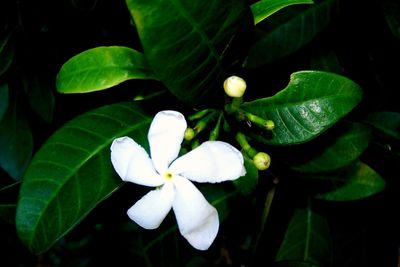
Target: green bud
x=189, y=134
x=262, y=161
x=234, y=86
x=269, y=125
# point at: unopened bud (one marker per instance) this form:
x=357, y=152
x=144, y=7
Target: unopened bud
x=234, y=86
x=189, y=134
x=262, y=161
x=269, y=125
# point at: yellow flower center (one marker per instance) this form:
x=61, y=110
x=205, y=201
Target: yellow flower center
x=168, y=176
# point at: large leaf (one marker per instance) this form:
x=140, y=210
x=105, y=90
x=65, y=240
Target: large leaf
x=290, y=36
x=16, y=142
x=386, y=122
x=72, y=173
x=311, y=103
x=189, y=43
x=341, y=151
x=101, y=68
x=307, y=241
x=265, y=8
x=359, y=181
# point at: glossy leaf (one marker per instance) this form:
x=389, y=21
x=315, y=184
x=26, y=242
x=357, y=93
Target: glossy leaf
x=358, y=182
x=4, y=98
x=311, y=103
x=101, y=68
x=16, y=142
x=6, y=53
x=386, y=122
x=265, y=8
x=307, y=241
x=191, y=44
x=72, y=173
x=8, y=199
x=343, y=150
x=290, y=36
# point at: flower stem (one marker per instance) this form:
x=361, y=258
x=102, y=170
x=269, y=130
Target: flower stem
x=260, y=122
x=241, y=139
x=215, y=132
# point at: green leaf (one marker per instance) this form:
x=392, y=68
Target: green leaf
x=290, y=36
x=343, y=150
x=72, y=173
x=311, y=103
x=246, y=184
x=307, y=241
x=101, y=68
x=357, y=182
x=41, y=97
x=6, y=53
x=3, y=99
x=386, y=122
x=16, y=142
x=265, y=8
x=189, y=44
x=391, y=11
x=326, y=61
x=8, y=199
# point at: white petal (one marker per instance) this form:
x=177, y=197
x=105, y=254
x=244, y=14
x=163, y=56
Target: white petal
x=165, y=137
x=132, y=163
x=197, y=220
x=212, y=162
x=151, y=209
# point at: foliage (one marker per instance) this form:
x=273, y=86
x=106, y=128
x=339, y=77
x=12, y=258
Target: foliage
x=319, y=100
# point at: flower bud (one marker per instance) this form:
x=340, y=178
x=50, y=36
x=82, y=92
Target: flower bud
x=189, y=134
x=234, y=86
x=262, y=161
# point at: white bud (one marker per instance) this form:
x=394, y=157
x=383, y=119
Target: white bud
x=234, y=86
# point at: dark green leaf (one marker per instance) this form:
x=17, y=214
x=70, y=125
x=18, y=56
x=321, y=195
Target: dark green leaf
x=357, y=182
x=311, y=103
x=16, y=143
x=326, y=61
x=3, y=99
x=7, y=212
x=101, y=68
x=342, y=151
x=8, y=199
x=386, y=122
x=246, y=184
x=391, y=11
x=307, y=241
x=189, y=43
x=41, y=97
x=6, y=53
x=265, y=8
x=290, y=36
x=72, y=173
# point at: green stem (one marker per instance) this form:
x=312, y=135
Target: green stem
x=258, y=121
x=241, y=139
x=215, y=132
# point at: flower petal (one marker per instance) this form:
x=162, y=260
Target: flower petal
x=197, y=220
x=212, y=162
x=132, y=163
x=152, y=208
x=165, y=137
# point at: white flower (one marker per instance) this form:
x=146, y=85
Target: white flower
x=212, y=161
